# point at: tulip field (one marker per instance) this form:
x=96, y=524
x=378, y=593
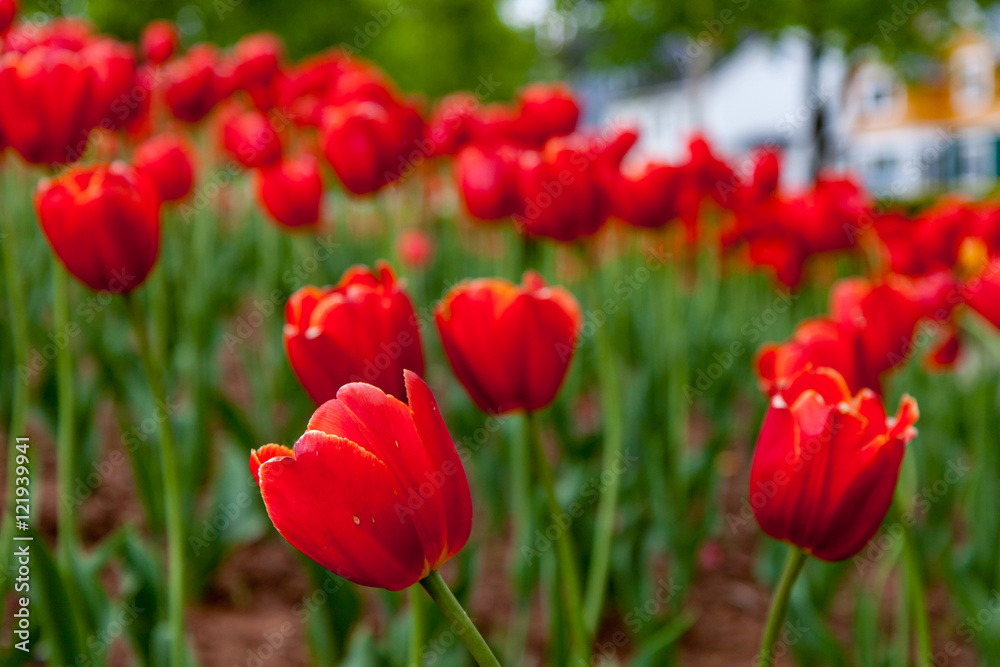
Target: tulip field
x=303, y=369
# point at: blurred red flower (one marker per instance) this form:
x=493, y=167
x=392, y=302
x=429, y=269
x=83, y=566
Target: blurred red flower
x=159, y=41
x=251, y=139
x=370, y=144
x=195, y=83
x=545, y=110
x=48, y=103
x=168, y=161
x=292, y=190
x=486, y=178
x=564, y=187
x=103, y=222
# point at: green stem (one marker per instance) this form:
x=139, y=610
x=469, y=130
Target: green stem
x=67, y=544
x=460, y=621
x=779, y=605
x=531, y=253
x=569, y=575
x=65, y=450
x=19, y=405
x=522, y=508
x=417, y=628
x=918, y=602
x=152, y=363
x=597, y=576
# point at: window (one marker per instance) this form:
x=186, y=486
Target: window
x=974, y=161
x=881, y=172
x=878, y=95
x=971, y=79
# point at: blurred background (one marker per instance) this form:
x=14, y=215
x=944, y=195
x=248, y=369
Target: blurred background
x=902, y=94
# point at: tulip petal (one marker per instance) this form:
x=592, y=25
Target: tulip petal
x=335, y=502
x=444, y=459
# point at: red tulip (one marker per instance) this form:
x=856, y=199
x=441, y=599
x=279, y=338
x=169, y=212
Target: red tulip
x=826, y=464
x=766, y=174
x=782, y=252
x=250, y=138
x=103, y=222
x=493, y=123
x=168, y=161
x=48, y=103
x=302, y=89
x=258, y=59
x=885, y=316
x=8, y=10
x=561, y=193
x=363, y=329
x=450, y=126
x=931, y=241
x=114, y=82
x=292, y=190
x=159, y=41
x=545, y=111
x=195, y=83
x=374, y=491
x=510, y=346
x=258, y=67
x=369, y=144
x=830, y=217
x=819, y=342
x=486, y=177
x=649, y=197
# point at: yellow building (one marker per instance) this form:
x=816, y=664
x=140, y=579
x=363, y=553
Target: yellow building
x=934, y=131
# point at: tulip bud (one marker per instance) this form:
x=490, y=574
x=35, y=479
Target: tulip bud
x=649, y=197
x=114, y=81
x=510, y=346
x=195, y=83
x=103, y=222
x=258, y=60
x=370, y=145
x=159, y=41
x=562, y=196
x=168, y=161
x=48, y=106
x=292, y=190
x=486, y=177
x=449, y=127
x=826, y=464
x=545, y=111
x=250, y=138
x=374, y=491
x=363, y=329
